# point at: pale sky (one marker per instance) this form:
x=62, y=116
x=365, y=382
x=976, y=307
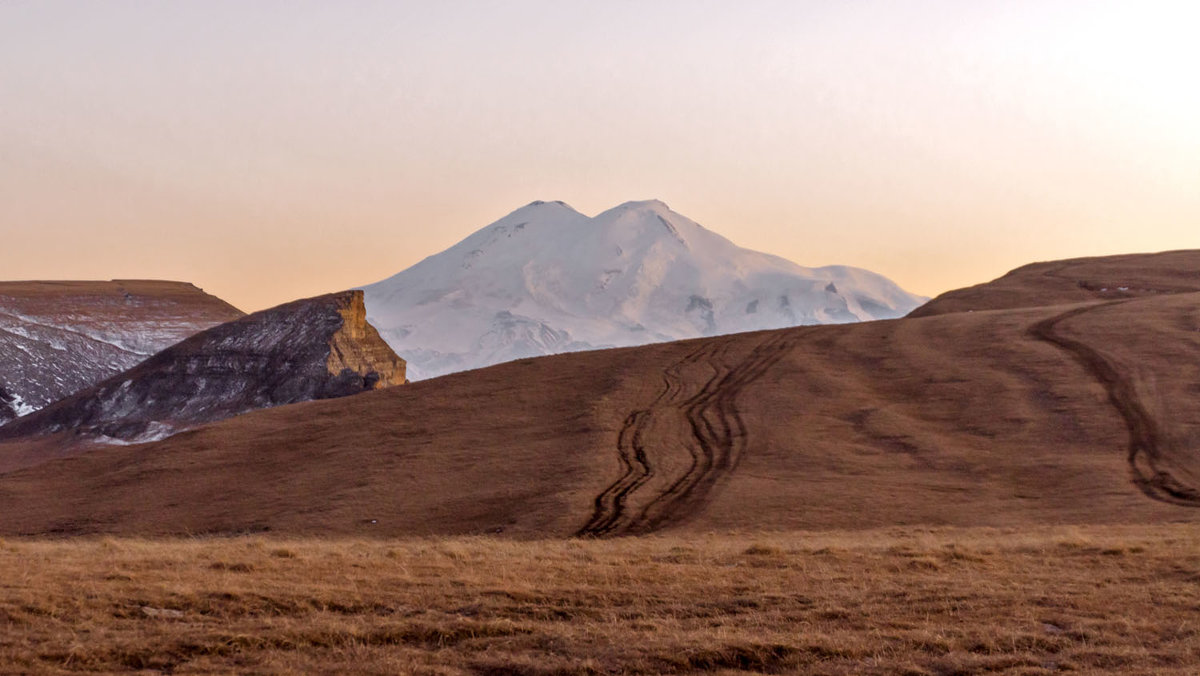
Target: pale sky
x=273, y=150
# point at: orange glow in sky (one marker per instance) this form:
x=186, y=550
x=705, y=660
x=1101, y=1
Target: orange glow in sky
x=273, y=150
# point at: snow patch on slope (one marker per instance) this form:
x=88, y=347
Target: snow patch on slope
x=19, y=407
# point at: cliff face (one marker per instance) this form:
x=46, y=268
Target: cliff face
x=358, y=350
x=316, y=348
x=57, y=338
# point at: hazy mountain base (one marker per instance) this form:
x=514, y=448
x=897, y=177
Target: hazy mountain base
x=914, y=601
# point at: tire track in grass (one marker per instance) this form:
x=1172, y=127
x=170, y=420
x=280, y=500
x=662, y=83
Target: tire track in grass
x=719, y=437
x=716, y=438
x=1145, y=457
x=609, y=507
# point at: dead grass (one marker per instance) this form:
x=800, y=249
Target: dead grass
x=935, y=602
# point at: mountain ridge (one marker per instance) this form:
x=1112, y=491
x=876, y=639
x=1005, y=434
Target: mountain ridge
x=57, y=337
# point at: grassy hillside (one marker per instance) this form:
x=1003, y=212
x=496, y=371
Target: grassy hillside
x=1077, y=280
x=1077, y=413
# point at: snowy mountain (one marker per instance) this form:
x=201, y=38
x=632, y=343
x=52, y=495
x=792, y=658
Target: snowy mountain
x=547, y=279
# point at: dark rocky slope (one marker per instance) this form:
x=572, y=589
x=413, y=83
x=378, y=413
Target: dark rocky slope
x=59, y=337
x=318, y=348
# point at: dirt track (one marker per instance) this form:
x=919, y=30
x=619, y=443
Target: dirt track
x=1147, y=464
x=715, y=439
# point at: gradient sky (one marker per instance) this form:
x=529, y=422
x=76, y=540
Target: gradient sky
x=272, y=150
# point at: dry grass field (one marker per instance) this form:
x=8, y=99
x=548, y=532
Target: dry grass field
x=1086, y=599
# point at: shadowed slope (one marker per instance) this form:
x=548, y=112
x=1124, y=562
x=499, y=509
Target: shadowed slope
x=466, y=453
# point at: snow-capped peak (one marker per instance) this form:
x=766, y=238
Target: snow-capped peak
x=657, y=206
x=540, y=210
x=548, y=279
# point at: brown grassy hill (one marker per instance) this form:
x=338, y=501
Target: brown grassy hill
x=1076, y=280
x=59, y=337
x=1083, y=413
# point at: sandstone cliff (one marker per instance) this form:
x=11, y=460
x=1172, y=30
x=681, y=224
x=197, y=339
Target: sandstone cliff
x=316, y=348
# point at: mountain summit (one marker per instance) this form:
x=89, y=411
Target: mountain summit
x=547, y=279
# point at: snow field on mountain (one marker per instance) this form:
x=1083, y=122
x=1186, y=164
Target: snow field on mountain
x=547, y=279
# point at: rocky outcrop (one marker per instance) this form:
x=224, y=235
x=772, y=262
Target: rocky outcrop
x=358, y=350
x=57, y=338
x=317, y=348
